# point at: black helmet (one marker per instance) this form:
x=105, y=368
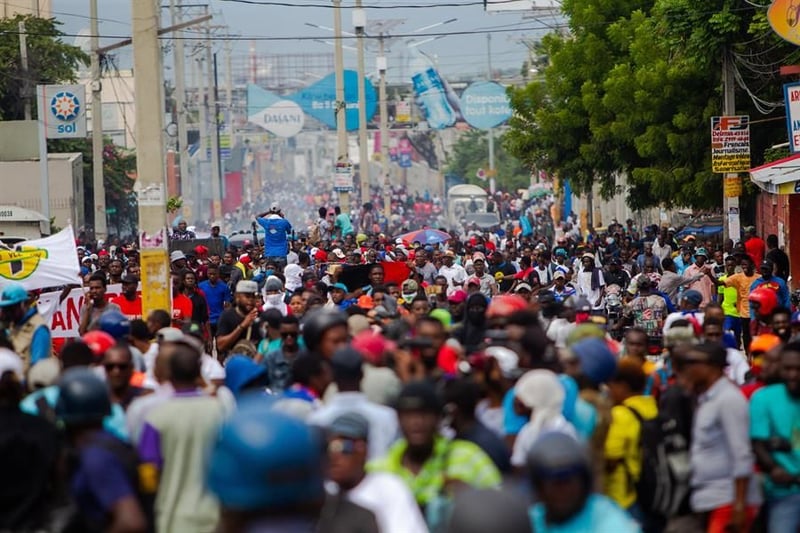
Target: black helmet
x=555, y=455
x=83, y=397
x=318, y=322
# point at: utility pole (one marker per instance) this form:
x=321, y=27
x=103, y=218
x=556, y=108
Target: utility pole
x=384, y=112
x=211, y=92
x=202, y=95
x=26, y=81
x=178, y=58
x=360, y=23
x=492, y=182
x=340, y=105
x=151, y=183
x=730, y=206
x=100, y=224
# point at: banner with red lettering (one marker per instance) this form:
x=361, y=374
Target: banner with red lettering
x=64, y=317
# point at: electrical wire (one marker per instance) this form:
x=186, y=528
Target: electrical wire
x=763, y=106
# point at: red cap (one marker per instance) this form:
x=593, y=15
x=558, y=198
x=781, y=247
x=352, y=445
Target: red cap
x=458, y=296
x=98, y=342
x=505, y=304
x=101, y=253
x=372, y=346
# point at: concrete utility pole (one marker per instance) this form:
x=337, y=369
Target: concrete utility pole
x=360, y=23
x=211, y=103
x=384, y=112
x=178, y=58
x=26, y=81
x=341, y=109
x=100, y=224
x=730, y=206
x=152, y=187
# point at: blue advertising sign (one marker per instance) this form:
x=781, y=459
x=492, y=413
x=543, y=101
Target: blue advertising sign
x=485, y=105
x=317, y=100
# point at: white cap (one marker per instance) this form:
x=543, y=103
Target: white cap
x=177, y=255
x=507, y=360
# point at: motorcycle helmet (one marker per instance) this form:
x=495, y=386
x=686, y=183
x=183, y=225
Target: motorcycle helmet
x=763, y=300
x=83, y=397
x=318, y=322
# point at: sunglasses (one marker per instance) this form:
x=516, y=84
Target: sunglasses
x=343, y=446
x=119, y=366
x=287, y=334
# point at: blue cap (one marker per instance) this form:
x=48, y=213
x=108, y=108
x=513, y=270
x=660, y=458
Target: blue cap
x=693, y=297
x=598, y=363
x=340, y=286
x=13, y=294
x=241, y=372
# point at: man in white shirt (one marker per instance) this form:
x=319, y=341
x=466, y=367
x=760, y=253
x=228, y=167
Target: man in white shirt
x=347, y=374
x=386, y=495
x=455, y=274
x=590, y=282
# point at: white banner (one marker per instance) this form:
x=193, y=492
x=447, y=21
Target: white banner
x=40, y=263
x=65, y=317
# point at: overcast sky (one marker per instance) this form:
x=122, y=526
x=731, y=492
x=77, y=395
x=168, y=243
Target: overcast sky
x=456, y=54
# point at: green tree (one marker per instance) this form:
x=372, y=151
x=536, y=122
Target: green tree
x=50, y=60
x=631, y=91
x=119, y=168
x=471, y=152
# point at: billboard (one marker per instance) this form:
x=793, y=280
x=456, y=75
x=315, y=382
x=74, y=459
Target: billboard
x=485, y=105
x=783, y=16
x=791, y=92
x=730, y=144
x=497, y=6
x=63, y=110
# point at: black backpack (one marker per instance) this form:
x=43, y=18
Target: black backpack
x=663, y=484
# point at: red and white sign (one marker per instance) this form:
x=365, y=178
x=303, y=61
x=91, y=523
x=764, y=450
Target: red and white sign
x=65, y=317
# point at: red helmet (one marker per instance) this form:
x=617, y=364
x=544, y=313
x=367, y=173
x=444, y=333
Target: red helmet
x=99, y=342
x=766, y=299
x=505, y=304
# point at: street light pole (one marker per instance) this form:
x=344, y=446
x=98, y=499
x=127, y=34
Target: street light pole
x=360, y=22
x=384, y=112
x=100, y=225
x=340, y=105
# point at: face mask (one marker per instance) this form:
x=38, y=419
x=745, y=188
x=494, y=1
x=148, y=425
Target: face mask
x=269, y=272
x=409, y=297
x=274, y=299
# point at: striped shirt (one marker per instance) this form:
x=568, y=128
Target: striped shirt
x=455, y=460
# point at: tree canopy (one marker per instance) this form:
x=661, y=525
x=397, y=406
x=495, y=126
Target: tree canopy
x=50, y=60
x=471, y=152
x=631, y=89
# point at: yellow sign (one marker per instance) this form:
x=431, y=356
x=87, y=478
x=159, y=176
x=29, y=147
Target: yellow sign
x=730, y=144
x=156, y=292
x=784, y=17
x=732, y=186
x=18, y=265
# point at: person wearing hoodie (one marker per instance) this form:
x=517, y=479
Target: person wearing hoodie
x=274, y=296
x=540, y=395
x=472, y=332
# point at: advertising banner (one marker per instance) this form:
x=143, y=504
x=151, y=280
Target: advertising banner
x=62, y=109
x=730, y=144
x=485, y=105
x=791, y=92
x=41, y=263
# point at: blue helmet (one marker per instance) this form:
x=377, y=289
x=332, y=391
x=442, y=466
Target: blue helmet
x=82, y=397
x=13, y=294
x=557, y=455
x=265, y=459
x=115, y=324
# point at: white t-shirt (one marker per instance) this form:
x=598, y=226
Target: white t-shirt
x=455, y=273
x=584, y=288
x=737, y=366
x=395, y=508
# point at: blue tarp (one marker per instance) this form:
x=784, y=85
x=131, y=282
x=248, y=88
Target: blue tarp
x=699, y=230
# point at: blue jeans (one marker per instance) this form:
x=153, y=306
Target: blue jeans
x=784, y=514
x=734, y=325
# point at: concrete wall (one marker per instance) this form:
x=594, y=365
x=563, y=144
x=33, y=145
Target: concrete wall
x=39, y=8
x=19, y=181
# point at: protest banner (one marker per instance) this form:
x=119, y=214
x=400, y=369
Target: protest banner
x=41, y=263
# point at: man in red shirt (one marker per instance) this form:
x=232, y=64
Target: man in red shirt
x=130, y=301
x=754, y=245
x=181, y=304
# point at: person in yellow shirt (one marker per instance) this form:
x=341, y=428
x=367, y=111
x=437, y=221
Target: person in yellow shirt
x=622, y=450
x=742, y=282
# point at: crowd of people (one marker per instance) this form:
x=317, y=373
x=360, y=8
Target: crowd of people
x=339, y=379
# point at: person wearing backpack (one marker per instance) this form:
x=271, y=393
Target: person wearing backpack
x=623, y=449
x=103, y=480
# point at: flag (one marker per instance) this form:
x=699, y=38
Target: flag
x=40, y=263
x=357, y=276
